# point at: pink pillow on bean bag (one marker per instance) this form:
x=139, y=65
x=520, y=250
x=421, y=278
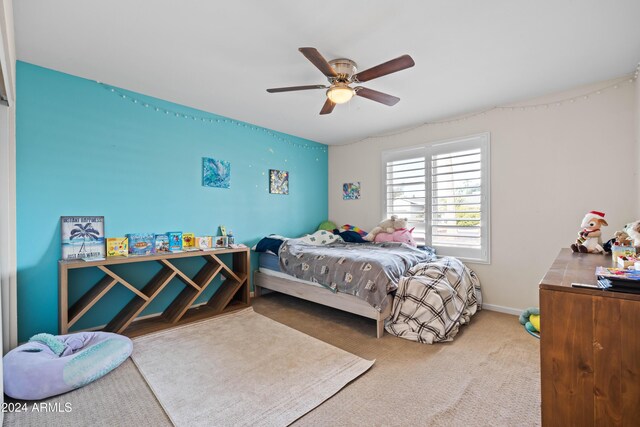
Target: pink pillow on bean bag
x=402, y=235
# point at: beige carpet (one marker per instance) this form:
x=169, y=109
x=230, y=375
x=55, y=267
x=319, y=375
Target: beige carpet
x=241, y=369
x=490, y=376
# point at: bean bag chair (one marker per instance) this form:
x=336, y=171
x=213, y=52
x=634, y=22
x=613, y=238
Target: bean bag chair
x=49, y=365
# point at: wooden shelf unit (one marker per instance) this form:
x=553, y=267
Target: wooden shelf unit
x=233, y=293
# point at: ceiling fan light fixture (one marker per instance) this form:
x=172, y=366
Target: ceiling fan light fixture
x=340, y=94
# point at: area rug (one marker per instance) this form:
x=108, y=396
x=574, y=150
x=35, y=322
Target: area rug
x=241, y=369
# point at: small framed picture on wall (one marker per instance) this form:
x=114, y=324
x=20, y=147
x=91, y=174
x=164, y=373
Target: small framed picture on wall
x=351, y=190
x=278, y=182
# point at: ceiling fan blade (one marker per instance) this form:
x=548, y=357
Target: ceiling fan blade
x=292, y=88
x=318, y=60
x=328, y=107
x=398, y=64
x=374, y=95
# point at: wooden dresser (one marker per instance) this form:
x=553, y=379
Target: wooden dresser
x=589, y=347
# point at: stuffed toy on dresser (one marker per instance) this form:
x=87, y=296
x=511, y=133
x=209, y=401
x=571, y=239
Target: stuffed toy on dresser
x=590, y=237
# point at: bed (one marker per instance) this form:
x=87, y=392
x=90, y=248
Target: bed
x=356, y=278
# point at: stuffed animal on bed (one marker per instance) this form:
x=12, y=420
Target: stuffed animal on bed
x=402, y=235
x=387, y=226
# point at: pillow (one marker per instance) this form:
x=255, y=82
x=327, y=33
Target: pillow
x=320, y=237
x=269, y=244
x=327, y=225
x=350, y=236
x=349, y=227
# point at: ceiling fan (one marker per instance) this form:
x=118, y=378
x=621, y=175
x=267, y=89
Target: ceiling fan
x=343, y=72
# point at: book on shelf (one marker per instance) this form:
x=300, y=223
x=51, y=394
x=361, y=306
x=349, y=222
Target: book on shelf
x=117, y=246
x=204, y=242
x=141, y=243
x=175, y=241
x=188, y=241
x=161, y=242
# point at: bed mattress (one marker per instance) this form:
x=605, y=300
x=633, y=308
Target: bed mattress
x=269, y=264
x=269, y=261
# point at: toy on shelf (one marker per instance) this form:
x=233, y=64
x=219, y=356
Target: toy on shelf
x=589, y=239
x=387, y=226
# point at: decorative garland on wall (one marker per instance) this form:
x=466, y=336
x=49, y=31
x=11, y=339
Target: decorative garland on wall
x=204, y=119
x=630, y=79
x=528, y=107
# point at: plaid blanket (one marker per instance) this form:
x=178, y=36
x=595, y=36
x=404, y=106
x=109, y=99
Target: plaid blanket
x=433, y=300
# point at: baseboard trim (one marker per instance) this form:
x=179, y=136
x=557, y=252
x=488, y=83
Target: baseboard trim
x=501, y=309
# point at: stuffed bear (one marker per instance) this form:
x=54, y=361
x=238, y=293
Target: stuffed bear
x=633, y=230
x=387, y=226
x=622, y=238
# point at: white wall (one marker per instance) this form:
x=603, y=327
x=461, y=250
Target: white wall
x=637, y=117
x=8, y=301
x=548, y=168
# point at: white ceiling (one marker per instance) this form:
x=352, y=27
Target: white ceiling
x=220, y=56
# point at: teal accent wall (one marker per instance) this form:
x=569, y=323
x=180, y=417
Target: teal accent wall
x=85, y=150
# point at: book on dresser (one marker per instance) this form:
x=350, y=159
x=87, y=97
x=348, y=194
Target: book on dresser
x=618, y=279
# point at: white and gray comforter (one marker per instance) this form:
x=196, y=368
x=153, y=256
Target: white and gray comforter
x=366, y=270
x=433, y=300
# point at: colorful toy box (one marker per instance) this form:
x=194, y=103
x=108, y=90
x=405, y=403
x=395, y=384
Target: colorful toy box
x=141, y=243
x=117, y=246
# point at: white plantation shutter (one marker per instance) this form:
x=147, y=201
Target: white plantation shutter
x=443, y=189
x=406, y=190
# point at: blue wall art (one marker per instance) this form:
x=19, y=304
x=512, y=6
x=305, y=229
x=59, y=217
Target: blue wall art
x=216, y=173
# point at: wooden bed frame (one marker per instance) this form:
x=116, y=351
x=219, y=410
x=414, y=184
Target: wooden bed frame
x=323, y=296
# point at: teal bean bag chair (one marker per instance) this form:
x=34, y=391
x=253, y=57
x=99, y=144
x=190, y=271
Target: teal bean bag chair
x=49, y=365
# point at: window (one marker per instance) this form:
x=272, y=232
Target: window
x=443, y=190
